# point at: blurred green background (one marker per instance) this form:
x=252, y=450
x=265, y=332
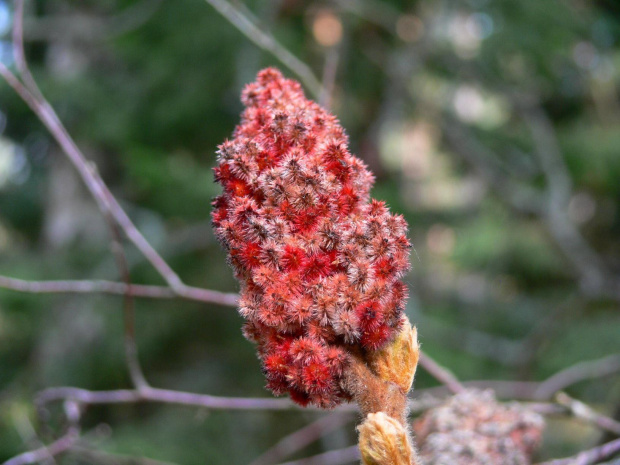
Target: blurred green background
x=493, y=126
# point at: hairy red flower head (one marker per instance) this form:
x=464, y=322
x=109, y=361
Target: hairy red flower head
x=319, y=262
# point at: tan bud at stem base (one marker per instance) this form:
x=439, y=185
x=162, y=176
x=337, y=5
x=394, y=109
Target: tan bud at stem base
x=397, y=362
x=384, y=441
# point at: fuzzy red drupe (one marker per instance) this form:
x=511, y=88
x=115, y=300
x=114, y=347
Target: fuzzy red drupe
x=319, y=262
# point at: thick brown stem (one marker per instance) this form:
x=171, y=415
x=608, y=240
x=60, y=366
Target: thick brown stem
x=374, y=394
x=379, y=382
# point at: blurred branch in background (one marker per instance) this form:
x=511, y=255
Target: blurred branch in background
x=301, y=438
x=62, y=444
x=550, y=205
x=117, y=288
x=267, y=42
x=595, y=279
x=149, y=394
x=82, y=452
x=586, y=413
x=90, y=28
x=333, y=457
x=590, y=456
x=104, y=198
x=578, y=372
x=441, y=373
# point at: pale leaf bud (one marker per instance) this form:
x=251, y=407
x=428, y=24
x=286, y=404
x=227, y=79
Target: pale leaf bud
x=397, y=361
x=384, y=441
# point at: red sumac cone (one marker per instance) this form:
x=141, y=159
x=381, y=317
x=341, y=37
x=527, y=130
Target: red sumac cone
x=319, y=262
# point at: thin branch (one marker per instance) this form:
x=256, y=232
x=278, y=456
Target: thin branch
x=106, y=458
x=129, y=19
x=559, y=190
x=301, y=438
x=131, y=349
x=441, y=373
x=520, y=197
x=523, y=390
x=550, y=206
x=150, y=394
x=268, y=43
x=84, y=27
x=88, y=171
x=18, y=37
x=579, y=372
x=542, y=334
x=547, y=147
x=29, y=435
x=59, y=446
x=589, y=456
x=476, y=342
x=333, y=457
x=382, y=14
x=532, y=390
x=18, y=49
x=329, y=77
x=586, y=413
x=567, y=405
x=117, y=288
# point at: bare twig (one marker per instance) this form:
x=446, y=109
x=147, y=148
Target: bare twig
x=581, y=371
x=59, y=446
x=131, y=349
x=379, y=13
x=329, y=77
x=106, y=458
x=268, y=43
x=532, y=390
x=18, y=49
x=30, y=437
x=547, y=147
x=476, y=342
x=88, y=171
x=523, y=390
x=550, y=205
x=586, y=413
x=589, y=456
x=520, y=197
x=150, y=394
x=542, y=334
x=85, y=27
x=116, y=288
x=333, y=457
x=441, y=373
x=301, y=438
x=584, y=259
x=567, y=405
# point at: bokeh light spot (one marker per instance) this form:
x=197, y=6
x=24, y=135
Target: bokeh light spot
x=409, y=28
x=327, y=28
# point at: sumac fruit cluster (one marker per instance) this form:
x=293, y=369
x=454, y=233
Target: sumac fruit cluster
x=319, y=262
